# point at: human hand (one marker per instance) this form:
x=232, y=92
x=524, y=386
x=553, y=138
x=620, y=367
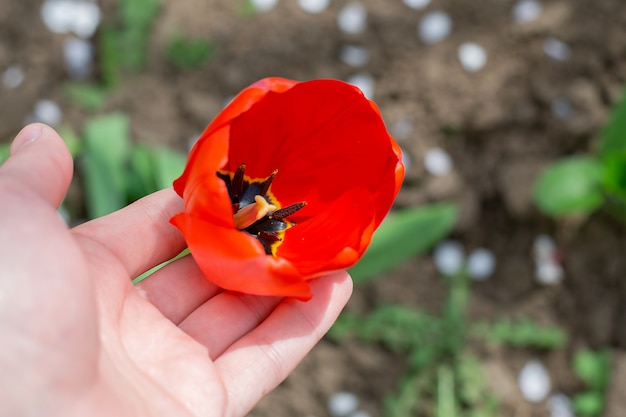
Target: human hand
x=78, y=338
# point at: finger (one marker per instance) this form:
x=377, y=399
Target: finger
x=225, y=318
x=39, y=163
x=259, y=361
x=178, y=289
x=140, y=236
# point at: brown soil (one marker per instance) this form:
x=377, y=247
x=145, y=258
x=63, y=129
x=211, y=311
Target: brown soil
x=497, y=125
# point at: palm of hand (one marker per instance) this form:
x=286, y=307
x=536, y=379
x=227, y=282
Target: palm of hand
x=87, y=342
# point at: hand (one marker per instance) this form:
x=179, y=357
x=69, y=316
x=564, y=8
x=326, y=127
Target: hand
x=78, y=338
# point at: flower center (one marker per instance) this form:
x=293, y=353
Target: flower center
x=249, y=214
x=255, y=209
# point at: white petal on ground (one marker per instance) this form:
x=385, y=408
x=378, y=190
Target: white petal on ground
x=416, y=4
x=543, y=247
x=561, y=108
x=434, y=27
x=437, y=162
x=342, y=404
x=85, y=19
x=57, y=15
x=313, y=6
x=263, y=5
x=560, y=405
x=13, y=77
x=352, y=18
x=473, y=57
x=556, y=49
x=48, y=112
x=78, y=55
x=534, y=381
x=402, y=128
x=353, y=55
x=449, y=257
x=480, y=264
x=548, y=272
x=526, y=11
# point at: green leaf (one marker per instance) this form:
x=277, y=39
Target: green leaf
x=4, y=152
x=404, y=234
x=88, y=96
x=138, y=13
x=593, y=368
x=615, y=173
x=107, y=149
x=588, y=404
x=188, y=53
x=168, y=165
x=446, y=397
x=132, y=39
x=523, y=333
x=247, y=9
x=109, y=57
x=613, y=138
x=570, y=186
x=141, y=182
x=71, y=139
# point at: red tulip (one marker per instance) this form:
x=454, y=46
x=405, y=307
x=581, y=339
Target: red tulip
x=289, y=181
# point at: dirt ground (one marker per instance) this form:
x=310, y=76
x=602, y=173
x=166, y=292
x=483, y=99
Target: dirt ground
x=497, y=124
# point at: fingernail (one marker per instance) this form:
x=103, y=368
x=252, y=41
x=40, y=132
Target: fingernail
x=26, y=136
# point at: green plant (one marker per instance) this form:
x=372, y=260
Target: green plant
x=188, y=53
x=583, y=183
x=523, y=333
x=135, y=20
x=123, y=43
x=115, y=171
x=593, y=368
x=403, y=234
x=4, y=152
x=89, y=96
x=443, y=378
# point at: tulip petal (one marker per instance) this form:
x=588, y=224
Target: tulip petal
x=235, y=261
x=337, y=237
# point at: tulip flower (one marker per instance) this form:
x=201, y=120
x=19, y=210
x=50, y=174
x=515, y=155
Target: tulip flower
x=289, y=181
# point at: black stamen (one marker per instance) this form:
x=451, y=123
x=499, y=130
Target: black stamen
x=237, y=183
x=287, y=211
x=268, y=182
x=270, y=236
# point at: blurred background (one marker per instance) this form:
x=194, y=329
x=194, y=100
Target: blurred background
x=510, y=299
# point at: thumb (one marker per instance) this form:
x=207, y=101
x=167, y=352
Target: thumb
x=40, y=163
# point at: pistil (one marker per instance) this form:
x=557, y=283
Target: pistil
x=251, y=213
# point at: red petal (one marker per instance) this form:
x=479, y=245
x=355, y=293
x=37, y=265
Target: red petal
x=204, y=192
x=335, y=238
x=321, y=136
x=235, y=261
x=241, y=103
x=250, y=96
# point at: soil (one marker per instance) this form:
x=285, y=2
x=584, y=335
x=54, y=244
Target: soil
x=497, y=124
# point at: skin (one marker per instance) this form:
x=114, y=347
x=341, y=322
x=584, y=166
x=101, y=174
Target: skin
x=79, y=339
